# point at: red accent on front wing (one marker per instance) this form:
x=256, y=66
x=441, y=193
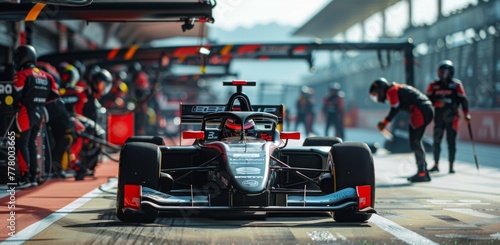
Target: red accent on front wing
x=132, y=197
x=364, y=196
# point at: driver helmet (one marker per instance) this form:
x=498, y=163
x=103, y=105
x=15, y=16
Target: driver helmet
x=232, y=128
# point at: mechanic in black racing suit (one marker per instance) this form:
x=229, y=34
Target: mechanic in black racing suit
x=33, y=89
x=60, y=128
x=100, y=84
x=333, y=109
x=447, y=94
x=141, y=90
x=405, y=97
x=304, y=106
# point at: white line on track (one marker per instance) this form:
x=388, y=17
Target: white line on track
x=32, y=230
x=398, y=231
x=472, y=212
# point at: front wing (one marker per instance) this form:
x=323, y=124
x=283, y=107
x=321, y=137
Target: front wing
x=359, y=199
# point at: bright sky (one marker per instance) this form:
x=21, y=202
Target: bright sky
x=230, y=14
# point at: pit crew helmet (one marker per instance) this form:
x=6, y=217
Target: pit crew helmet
x=445, y=70
x=93, y=69
x=232, y=128
x=80, y=67
x=378, y=90
x=24, y=55
x=101, y=82
x=135, y=67
x=69, y=75
x=334, y=87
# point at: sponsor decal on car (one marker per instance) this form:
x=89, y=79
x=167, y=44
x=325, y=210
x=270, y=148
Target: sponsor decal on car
x=251, y=155
x=248, y=177
x=247, y=170
x=250, y=183
x=207, y=109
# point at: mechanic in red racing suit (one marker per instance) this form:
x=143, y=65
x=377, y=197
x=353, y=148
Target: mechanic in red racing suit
x=447, y=94
x=33, y=89
x=407, y=98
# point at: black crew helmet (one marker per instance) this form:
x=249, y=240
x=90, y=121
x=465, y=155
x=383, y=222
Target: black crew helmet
x=80, y=66
x=24, y=55
x=135, y=67
x=334, y=87
x=445, y=69
x=101, y=82
x=90, y=71
x=378, y=90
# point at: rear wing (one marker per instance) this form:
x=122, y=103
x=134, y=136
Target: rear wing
x=192, y=114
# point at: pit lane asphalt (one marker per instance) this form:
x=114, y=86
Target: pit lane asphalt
x=451, y=209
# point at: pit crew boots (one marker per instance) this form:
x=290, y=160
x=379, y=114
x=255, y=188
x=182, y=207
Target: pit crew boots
x=435, y=168
x=452, y=171
x=420, y=177
x=80, y=171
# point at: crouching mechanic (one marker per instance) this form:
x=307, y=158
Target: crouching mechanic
x=407, y=98
x=33, y=89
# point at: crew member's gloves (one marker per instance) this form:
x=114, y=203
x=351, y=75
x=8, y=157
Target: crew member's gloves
x=440, y=104
x=467, y=118
x=381, y=125
x=78, y=126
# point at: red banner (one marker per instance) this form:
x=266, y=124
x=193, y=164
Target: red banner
x=120, y=128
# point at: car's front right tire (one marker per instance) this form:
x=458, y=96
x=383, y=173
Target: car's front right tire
x=353, y=166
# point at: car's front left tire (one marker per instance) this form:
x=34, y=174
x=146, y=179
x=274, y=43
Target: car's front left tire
x=139, y=165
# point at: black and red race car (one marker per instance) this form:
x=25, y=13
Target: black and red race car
x=240, y=162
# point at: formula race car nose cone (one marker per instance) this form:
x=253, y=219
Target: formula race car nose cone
x=249, y=170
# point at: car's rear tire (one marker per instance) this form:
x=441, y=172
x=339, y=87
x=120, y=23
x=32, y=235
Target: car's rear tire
x=353, y=166
x=146, y=139
x=321, y=141
x=139, y=165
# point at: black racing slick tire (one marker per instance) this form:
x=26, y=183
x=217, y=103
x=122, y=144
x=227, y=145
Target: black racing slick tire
x=146, y=139
x=322, y=141
x=353, y=166
x=139, y=165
